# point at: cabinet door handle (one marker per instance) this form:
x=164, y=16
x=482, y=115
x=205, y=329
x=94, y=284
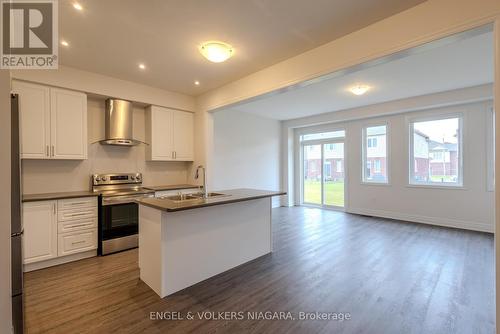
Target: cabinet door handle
x=52, y=150
x=47, y=150
x=175, y=154
x=78, y=242
x=54, y=208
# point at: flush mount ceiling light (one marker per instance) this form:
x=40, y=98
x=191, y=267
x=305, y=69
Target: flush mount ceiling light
x=77, y=6
x=64, y=43
x=197, y=83
x=216, y=52
x=142, y=66
x=359, y=89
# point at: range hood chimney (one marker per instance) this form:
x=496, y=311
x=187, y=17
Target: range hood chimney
x=119, y=123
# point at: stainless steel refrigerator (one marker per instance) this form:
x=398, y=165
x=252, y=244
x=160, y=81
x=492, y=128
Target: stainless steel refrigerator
x=16, y=221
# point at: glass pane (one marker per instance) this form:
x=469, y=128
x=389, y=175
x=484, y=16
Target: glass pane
x=375, y=154
x=312, y=174
x=333, y=174
x=436, y=153
x=323, y=135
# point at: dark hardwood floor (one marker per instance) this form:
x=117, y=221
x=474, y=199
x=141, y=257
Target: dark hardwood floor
x=390, y=276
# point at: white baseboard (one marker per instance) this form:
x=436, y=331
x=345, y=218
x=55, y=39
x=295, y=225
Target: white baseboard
x=447, y=222
x=59, y=260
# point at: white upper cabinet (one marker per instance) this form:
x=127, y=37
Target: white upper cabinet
x=169, y=134
x=53, y=122
x=34, y=106
x=159, y=124
x=183, y=135
x=68, y=124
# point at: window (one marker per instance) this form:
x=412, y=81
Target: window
x=328, y=170
x=372, y=142
x=436, y=151
x=375, y=154
x=323, y=135
x=339, y=166
x=437, y=156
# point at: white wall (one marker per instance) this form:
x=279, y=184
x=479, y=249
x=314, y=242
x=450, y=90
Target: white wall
x=246, y=151
x=5, y=278
x=471, y=207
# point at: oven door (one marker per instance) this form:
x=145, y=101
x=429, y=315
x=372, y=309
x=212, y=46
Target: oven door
x=119, y=220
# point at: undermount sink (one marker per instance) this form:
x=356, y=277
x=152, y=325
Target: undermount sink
x=200, y=195
x=190, y=197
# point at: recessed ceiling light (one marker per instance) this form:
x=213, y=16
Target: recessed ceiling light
x=77, y=6
x=197, y=83
x=142, y=66
x=216, y=52
x=359, y=89
x=64, y=43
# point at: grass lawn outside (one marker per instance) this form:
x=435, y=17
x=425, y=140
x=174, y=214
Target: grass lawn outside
x=334, y=192
x=443, y=178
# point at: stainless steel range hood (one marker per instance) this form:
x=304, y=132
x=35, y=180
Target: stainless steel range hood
x=119, y=123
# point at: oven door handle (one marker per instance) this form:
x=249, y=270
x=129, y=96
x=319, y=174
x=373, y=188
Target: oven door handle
x=122, y=200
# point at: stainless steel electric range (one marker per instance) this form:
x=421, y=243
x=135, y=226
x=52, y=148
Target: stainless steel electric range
x=118, y=211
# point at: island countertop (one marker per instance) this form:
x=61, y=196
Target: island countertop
x=230, y=196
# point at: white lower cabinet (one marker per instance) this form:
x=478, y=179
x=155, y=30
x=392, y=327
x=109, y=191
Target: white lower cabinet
x=75, y=242
x=58, y=228
x=40, y=231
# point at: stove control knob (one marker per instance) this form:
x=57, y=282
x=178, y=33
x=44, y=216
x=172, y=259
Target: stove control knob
x=104, y=178
x=98, y=179
x=132, y=178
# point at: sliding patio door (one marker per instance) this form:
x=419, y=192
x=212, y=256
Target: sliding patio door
x=313, y=175
x=334, y=175
x=323, y=169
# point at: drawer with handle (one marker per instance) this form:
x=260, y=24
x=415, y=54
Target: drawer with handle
x=70, y=243
x=76, y=225
x=76, y=203
x=76, y=214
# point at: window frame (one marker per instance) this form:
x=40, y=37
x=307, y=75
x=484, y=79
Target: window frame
x=411, y=158
x=364, y=151
x=299, y=159
x=490, y=148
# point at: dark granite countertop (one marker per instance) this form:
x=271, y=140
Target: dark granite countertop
x=171, y=187
x=75, y=194
x=231, y=196
x=58, y=195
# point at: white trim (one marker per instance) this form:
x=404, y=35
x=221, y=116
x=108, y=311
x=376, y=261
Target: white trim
x=410, y=120
x=436, y=186
x=59, y=260
x=364, y=152
x=439, y=221
x=322, y=142
x=490, y=147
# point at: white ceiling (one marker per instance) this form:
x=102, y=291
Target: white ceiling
x=112, y=37
x=461, y=64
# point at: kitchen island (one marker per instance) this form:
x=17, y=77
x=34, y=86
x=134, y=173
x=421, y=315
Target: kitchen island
x=186, y=239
